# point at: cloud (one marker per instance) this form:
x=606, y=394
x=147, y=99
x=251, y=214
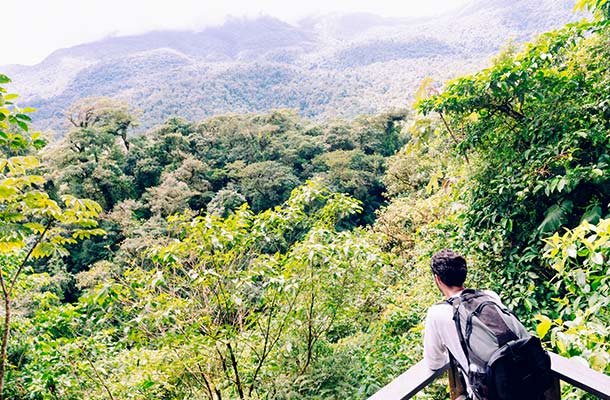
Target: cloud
x=47, y=25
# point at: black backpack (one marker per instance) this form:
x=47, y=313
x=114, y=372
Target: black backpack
x=504, y=361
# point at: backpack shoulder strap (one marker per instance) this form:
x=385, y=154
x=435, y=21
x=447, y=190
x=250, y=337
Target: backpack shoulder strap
x=455, y=302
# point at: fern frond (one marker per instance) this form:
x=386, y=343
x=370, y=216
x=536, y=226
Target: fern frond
x=555, y=216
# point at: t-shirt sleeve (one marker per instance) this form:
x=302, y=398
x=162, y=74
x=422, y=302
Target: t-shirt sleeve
x=435, y=352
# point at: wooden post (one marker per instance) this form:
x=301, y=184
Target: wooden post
x=457, y=385
x=554, y=392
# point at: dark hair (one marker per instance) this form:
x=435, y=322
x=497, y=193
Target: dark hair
x=450, y=267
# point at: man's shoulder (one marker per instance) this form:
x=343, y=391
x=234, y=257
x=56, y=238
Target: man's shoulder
x=440, y=310
x=487, y=292
x=492, y=294
x=443, y=305
x=448, y=303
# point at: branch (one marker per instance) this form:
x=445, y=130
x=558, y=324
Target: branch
x=334, y=313
x=265, y=352
x=72, y=121
x=27, y=257
x=97, y=373
x=507, y=109
x=3, y=284
x=234, y=365
x=452, y=134
x=206, y=382
x=223, y=364
x=310, y=333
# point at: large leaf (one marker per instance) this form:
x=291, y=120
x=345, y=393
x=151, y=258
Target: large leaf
x=592, y=215
x=555, y=216
x=543, y=327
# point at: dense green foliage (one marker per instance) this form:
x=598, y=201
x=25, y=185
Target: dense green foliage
x=260, y=157
x=232, y=307
x=266, y=256
x=536, y=125
x=581, y=317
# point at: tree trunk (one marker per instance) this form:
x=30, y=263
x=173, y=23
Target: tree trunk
x=5, y=335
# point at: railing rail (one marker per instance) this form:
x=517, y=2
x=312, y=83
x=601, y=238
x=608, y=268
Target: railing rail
x=568, y=370
x=581, y=376
x=409, y=383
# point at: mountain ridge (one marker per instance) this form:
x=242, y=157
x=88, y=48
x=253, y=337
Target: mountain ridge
x=325, y=66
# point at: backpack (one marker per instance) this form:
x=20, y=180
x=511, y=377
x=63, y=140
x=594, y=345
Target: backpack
x=504, y=361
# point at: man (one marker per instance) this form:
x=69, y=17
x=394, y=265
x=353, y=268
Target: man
x=449, y=269
x=441, y=335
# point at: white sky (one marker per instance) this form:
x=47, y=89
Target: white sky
x=33, y=29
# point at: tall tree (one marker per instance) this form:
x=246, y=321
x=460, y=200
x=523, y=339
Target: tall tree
x=90, y=159
x=32, y=224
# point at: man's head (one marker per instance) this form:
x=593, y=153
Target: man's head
x=449, y=267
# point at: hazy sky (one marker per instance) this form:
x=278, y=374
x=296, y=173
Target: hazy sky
x=33, y=29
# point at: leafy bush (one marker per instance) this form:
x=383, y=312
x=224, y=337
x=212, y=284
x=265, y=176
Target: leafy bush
x=579, y=321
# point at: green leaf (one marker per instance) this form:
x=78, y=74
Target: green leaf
x=10, y=246
x=7, y=192
x=592, y=215
x=39, y=143
x=4, y=79
x=23, y=125
x=581, y=278
x=599, y=360
x=561, y=345
x=527, y=304
x=34, y=226
x=43, y=249
x=11, y=217
x=147, y=384
x=555, y=216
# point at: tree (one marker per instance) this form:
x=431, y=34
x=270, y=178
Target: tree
x=90, y=160
x=380, y=134
x=32, y=224
x=110, y=116
x=600, y=8
x=225, y=201
x=339, y=136
x=266, y=183
x=356, y=173
x=536, y=167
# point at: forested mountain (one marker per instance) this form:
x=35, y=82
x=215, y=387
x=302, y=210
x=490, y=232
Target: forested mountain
x=326, y=66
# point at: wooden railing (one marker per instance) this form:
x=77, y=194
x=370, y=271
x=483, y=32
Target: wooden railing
x=571, y=371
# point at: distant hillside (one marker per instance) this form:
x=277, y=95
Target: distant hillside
x=329, y=66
